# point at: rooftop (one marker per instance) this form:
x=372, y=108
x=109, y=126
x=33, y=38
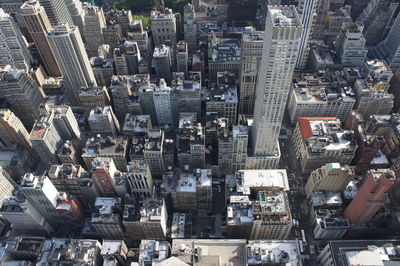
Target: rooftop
x=151, y=210
x=111, y=247
x=106, y=210
x=178, y=225
x=272, y=178
x=274, y=252
x=98, y=145
x=153, y=251
x=284, y=16
x=239, y=210
x=137, y=124
x=326, y=198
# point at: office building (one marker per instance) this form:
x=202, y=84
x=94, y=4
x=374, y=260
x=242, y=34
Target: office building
x=103, y=70
x=242, y=13
x=139, y=179
x=239, y=221
x=42, y=194
x=77, y=12
x=104, y=175
x=252, y=47
x=39, y=25
x=162, y=62
x=138, y=125
x=350, y=44
x=46, y=139
x=12, y=131
x=64, y=120
x=165, y=105
x=94, y=22
x=359, y=252
x=313, y=95
x=7, y=184
x=188, y=92
x=163, y=27
x=23, y=94
x=269, y=252
x=307, y=14
x=106, y=220
x=23, y=215
x=70, y=53
x=121, y=17
x=127, y=57
x=86, y=251
x=273, y=84
x=182, y=57
x=321, y=140
x=103, y=121
x=153, y=251
x=153, y=151
x=370, y=196
x=91, y=97
x=14, y=47
x=114, y=251
x=57, y=12
x=190, y=28
x=330, y=177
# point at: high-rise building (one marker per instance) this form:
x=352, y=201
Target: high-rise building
x=242, y=13
x=121, y=17
x=42, y=194
x=22, y=93
x=188, y=93
x=93, y=96
x=12, y=130
x=103, y=121
x=7, y=184
x=330, y=177
x=38, y=25
x=57, y=12
x=165, y=104
x=75, y=8
x=277, y=64
x=46, y=140
x=182, y=57
x=14, y=48
x=163, y=26
x=139, y=179
x=350, y=44
x=162, y=62
x=107, y=218
x=70, y=53
x=252, y=47
x=370, y=196
x=190, y=28
x=94, y=22
x=104, y=174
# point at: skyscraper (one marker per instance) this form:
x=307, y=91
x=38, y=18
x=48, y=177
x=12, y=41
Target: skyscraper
x=22, y=93
x=57, y=12
x=279, y=56
x=307, y=14
x=39, y=25
x=12, y=130
x=13, y=46
x=70, y=52
x=93, y=28
x=7, y=185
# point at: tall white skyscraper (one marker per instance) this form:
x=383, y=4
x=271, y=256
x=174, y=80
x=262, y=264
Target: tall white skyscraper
x=13, y=46
x=70, y=52
x=281, y=47
x=307, y=13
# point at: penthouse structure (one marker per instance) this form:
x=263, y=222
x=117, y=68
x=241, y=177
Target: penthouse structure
x=321, y=140
x=107, y=220
x=99, y=147
x=314, y=95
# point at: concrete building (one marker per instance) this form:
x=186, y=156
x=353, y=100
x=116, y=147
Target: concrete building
x=111, y=34
x=141, y=37
x=38, y=24
x=70, y=53
x=8, y=185
x=182, y=57
x=239, y=217
x=121, y=17
x=77, y=13
x=46, y=139
x=139, y=179
x=162, y=62
x=356, y=252
x=103, y=121
x=165, y=105
x=276, y=66
x=163, y=27
x=64, y=120
x=68, y=154
x=222, y=98
x=252, y=44
x=223, y=55
x=14, y=47
x=94, y=22
x=316, y=96
x=188, y=93
x=114, y=251
x=93, y=96
x=127, y=57
x=350, y=44
x=104, y=175
x=23, y=215
x=22, y=93
x=269, y=252
x=330, y=177
x=42, y=194
x=213, y=251
x=86, y=251
x=334, y=21
x=12, y=131
x=153, y=251
x=321, y=140
x=136, y=125
x=107, y=219
x=57, y=12
x=370, y=196
x=103, y=70
x=190, y=28
x=108, y=147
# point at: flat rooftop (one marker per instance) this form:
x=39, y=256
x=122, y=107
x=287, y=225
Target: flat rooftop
x=284, y=16
x=274, y=252
x=271, y=178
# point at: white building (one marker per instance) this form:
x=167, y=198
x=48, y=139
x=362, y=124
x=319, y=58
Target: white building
x=70, y=52
x=57, y=12
x=277, y=65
